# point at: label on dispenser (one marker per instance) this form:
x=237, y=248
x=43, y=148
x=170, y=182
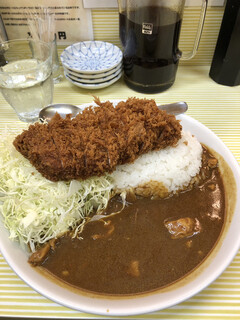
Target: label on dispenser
x=147, y=28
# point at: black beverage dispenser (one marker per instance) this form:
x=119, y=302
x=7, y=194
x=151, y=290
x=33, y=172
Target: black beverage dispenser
x=149, y=32
x=225, y=68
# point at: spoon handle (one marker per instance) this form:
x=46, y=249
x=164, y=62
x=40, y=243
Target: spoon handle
x=175, y=108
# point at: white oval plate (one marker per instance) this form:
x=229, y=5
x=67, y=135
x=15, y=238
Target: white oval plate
x=93, y=75
x=94, y=86
x=91, y=56
x=213, y=266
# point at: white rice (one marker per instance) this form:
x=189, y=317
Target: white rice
x=173, y=167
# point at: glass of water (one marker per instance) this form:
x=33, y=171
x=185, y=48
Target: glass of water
x=26, y=76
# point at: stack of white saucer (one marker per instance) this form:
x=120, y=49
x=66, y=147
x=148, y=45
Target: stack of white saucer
x=92, y=64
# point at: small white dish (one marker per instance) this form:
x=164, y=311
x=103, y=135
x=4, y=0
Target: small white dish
x=94, y=86
x=91, y=56
x=93, y=80
x=93, y=75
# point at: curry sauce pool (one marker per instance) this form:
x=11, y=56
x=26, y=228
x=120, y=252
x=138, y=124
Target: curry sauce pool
x=148, y=245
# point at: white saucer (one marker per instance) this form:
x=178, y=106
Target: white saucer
x=94, y=85
x=93, y=80
x=93, y=75
x=91, y=56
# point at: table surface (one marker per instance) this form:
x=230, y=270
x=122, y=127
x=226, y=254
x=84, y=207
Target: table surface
x=217, y=107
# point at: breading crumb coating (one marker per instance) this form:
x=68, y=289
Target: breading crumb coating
x=97, y=139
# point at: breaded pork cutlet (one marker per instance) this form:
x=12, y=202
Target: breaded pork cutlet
x=98, y=139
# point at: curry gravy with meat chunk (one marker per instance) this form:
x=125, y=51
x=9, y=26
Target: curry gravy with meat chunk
x=150, y=244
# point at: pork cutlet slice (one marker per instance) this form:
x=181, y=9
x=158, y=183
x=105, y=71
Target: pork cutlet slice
x=148, y=128
x=98, y=139
x=36, y=144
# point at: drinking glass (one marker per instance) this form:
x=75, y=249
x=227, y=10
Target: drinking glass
x=26, y=76
x=56, y=69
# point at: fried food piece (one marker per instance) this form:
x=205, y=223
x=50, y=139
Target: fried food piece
x=183, y=227
x=38, y=256
x=97, y=139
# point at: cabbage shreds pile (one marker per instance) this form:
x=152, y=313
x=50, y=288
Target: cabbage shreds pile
x=35, y=209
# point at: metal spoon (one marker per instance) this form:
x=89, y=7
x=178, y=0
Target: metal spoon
x=175, y=108
x=47, y=113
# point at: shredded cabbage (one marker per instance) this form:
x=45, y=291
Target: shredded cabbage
x=34, y=209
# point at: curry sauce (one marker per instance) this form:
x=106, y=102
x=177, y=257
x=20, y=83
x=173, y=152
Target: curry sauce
x=150, y=244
